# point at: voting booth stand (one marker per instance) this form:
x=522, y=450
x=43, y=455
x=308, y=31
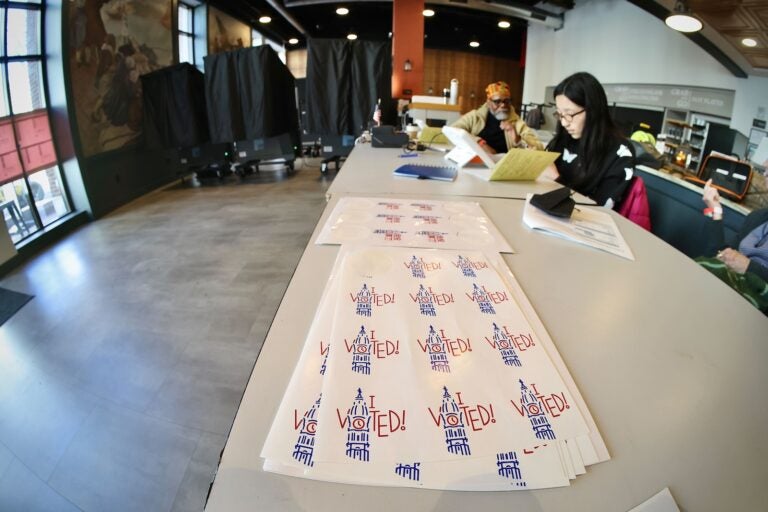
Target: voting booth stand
x=345, y=80
x=176, y=121
x=251, y=103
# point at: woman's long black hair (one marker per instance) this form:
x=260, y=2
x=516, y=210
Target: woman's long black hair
x=600, y=133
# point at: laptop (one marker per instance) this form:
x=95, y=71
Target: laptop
x=515, y=165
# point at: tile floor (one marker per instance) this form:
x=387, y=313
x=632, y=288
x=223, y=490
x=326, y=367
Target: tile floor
x=120, y=380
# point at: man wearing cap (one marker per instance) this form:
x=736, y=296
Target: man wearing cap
x=496, y=124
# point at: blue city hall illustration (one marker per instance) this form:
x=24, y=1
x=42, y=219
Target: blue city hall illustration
x=452, y=419
x=361, y=353
x=483, y=300
x=417, y=267
x=505, y=347
x=509, y=467
x=438, y=356
x=363, y=301
x=466, y=267
x=535, y=412
x=358, y=429
x=409, y=471
x=424, y=298
x=305, y=444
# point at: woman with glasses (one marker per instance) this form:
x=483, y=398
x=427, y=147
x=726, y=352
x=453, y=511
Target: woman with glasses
x=496, y=124
x=595, y=159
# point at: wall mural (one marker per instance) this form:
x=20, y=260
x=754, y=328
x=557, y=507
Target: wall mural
x=113, y=43
x=226, y=33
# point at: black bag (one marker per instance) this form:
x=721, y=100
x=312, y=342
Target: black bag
x=557, y=203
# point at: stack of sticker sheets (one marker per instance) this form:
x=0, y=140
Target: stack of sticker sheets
x=428, y=368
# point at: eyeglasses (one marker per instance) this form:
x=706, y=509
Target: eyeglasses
x=502, y=101
x=568, y=118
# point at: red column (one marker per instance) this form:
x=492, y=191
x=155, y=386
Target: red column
x=407, y=44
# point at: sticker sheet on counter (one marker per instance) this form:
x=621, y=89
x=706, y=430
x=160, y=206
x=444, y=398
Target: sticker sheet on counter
x=420, y=370
x=412, y=223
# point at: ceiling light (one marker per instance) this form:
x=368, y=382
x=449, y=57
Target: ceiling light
x=681, y=19
x=351, y=37
x=342, y=11
x=474, y=44
x=293, y=40
x=265, y=19
x=504, y=24
x=749, y=42
x=428, y=13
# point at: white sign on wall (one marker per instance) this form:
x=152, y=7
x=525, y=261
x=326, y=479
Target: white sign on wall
x=716, y=102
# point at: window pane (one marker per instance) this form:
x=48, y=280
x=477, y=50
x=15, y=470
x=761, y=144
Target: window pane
x=2, y=32
x=4, y=108
x=185, y=18
x=185, y=49
x=10, y=165
x=256, y=38
x=49, y=196
x=26, y=86
x=16, y=210
x=23, y=32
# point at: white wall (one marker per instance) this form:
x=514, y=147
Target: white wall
x=620, y=43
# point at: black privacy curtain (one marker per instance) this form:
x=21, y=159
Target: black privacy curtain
x=174, y=108
x=344, y=81
x=250, y=94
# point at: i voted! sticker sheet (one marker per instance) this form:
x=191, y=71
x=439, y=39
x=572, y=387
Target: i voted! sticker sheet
x=420, y=370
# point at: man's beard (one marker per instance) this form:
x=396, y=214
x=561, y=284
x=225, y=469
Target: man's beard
x=501, y=115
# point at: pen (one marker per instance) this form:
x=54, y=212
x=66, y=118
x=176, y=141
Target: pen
x=408, y=155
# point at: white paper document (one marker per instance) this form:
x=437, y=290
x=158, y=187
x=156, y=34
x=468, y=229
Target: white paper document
x=587, y=225
x=661, y=502
x=412, y=223
x=421, y=370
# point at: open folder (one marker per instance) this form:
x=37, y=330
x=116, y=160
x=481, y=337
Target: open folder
x=516, y=164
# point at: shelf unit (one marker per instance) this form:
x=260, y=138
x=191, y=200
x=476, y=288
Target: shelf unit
x=697, y=139
x=685, y=132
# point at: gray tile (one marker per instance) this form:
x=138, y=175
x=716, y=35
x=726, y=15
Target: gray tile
x=38, y=424
x=199, y=475
x=6, y=457
x=129, y=366
x=207, y=401
x=121, y=460
x=22, y=490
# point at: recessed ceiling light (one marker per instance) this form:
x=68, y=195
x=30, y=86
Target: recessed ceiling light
x=265, y=19
x=428, y=13
x=474, y=44
x=293, y=40
x=504, y=24
x=342, y=11
x=351, y=37
x=749, y=42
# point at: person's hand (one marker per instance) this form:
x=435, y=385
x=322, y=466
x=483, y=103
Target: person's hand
x=550, y=172
x=487, y=147
x=710, y=196
x=734, y=260
x=509, y=128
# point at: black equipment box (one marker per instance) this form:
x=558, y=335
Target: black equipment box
x=730, y=177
